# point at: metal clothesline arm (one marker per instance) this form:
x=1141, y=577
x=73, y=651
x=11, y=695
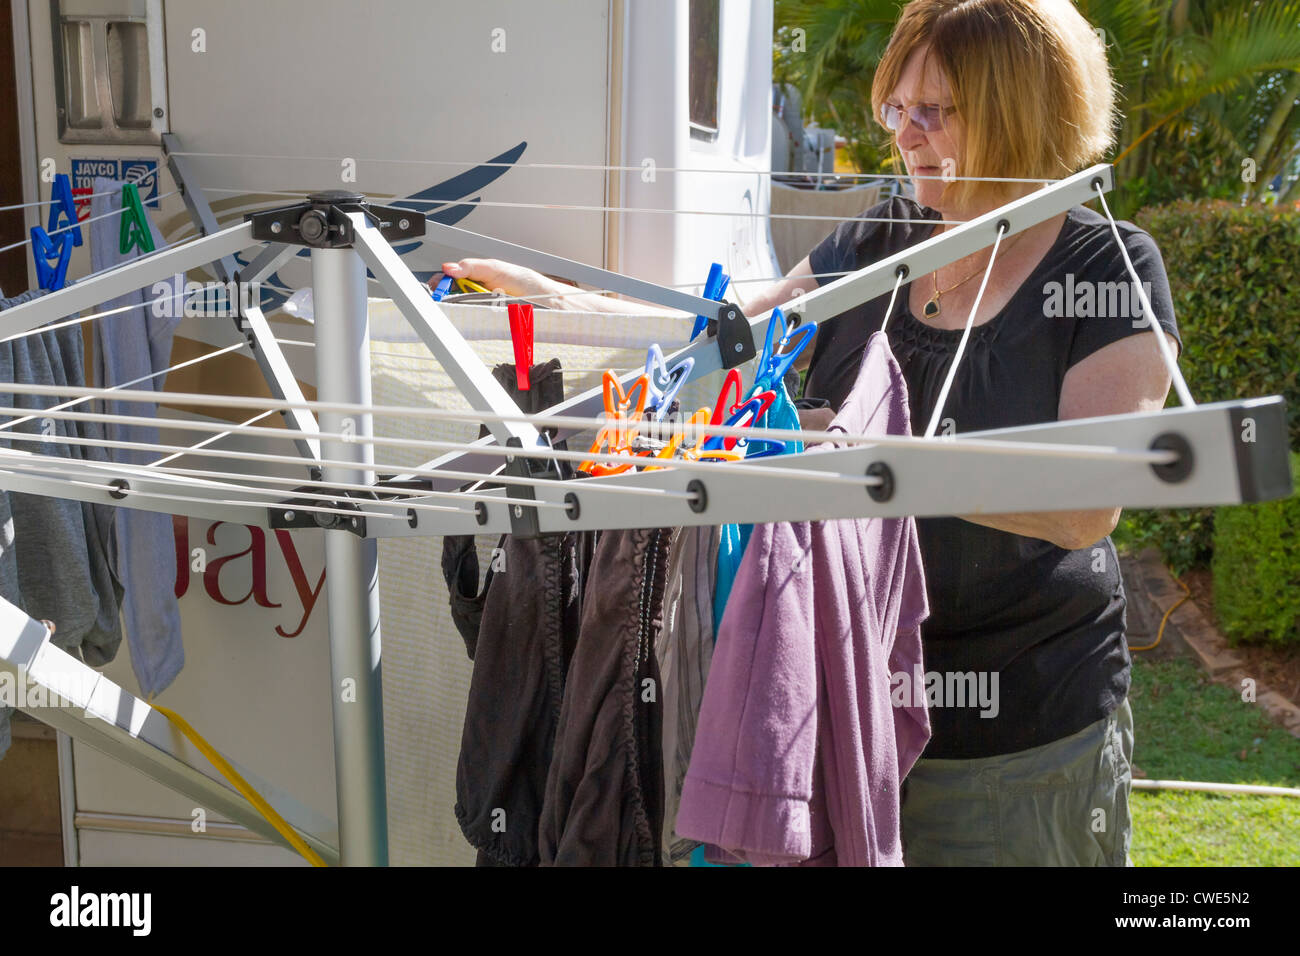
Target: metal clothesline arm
x=196, y=203
x=1225, y=453
x=454, y=239
x=261, y=341
x=81, y=702
x=442, y=338
x=1228, y=453
x=138, y=274
x=845, y=293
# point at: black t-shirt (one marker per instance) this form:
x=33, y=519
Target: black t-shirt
x=1048, y=622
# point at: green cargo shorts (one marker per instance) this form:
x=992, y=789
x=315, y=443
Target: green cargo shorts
x=1062, y=804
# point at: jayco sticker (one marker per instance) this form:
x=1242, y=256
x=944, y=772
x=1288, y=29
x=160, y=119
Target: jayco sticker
x=143, y=172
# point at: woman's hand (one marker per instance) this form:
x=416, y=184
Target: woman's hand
x=497, y=275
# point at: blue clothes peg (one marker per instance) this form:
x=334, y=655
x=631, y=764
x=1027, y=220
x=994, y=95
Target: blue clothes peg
x=51, y=258
x=63, y=211
x=780, y=413
x=665, y=383
x=715, y=287
x=772, y=367
x=443, y=288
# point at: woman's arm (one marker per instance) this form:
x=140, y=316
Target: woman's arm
x=510, y=279
x=1122, y=377
x=527, y=283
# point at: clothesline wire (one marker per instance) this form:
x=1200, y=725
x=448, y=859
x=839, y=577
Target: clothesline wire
x=650, y=428
x=604, y=167
x=402, y=496
x=51, y=326
x=889, y=309
x=579, y=207
x=124, y=385
x=82, y=222
x=326, y=462
x=210, y=439
x=27, y=466
x=937, y=414
x=1166, y=352
x=125, y=470
x=75, y=198
x=121, y=469
x=283, y=434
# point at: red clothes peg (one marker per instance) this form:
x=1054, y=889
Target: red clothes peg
x=725, y=404
x=521, y=334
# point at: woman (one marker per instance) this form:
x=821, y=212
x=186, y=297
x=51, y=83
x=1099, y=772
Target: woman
x=1027, y=610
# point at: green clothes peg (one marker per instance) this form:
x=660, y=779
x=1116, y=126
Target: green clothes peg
x=135, y=227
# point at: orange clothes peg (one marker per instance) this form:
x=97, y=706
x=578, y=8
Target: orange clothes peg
x=669, y=451
x=615, y=438
x=697, y=451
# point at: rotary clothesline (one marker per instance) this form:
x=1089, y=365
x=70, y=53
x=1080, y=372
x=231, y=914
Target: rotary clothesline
x=1176, y=457
x=900, y=275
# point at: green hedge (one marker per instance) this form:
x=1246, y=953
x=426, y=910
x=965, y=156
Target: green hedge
x=1256, y=568
x=1233, y=272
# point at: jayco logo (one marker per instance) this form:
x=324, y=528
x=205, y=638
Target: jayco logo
x=102, y=909
x=199, y=561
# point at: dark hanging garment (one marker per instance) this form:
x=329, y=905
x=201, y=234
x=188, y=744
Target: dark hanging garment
x=459, y=551
x=604, y=794
x=530, y=621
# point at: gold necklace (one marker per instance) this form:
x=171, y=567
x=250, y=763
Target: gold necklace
x=931, y=309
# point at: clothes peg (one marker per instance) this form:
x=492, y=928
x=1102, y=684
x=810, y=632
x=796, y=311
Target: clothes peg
x=772, y=363
x=51, y=258
x=134, y=230
x=670, y=450
x=698, y=451
x=63, y=211
x=624, y=411
x=742, y=416
x=725, y=406
x=715, y=287
x=664, y=384
x=521, y=335
x=442, y=289
x=469, y=285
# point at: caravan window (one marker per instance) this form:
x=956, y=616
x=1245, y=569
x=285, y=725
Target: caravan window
x=704, y=68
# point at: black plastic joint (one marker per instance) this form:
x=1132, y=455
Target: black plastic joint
x=321, y=222
x=735, y=337
x=290, y=514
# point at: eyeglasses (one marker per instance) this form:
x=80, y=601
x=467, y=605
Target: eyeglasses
x=925, y=118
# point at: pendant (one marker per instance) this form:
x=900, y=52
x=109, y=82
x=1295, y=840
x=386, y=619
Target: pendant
x=931, y=308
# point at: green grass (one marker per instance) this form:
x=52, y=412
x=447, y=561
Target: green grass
x=1188, y=728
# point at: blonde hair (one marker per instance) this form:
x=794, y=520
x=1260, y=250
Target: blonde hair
x=1029, y=79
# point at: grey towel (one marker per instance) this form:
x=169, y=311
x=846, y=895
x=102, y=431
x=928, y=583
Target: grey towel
x=54, y=552
x=127, y=346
